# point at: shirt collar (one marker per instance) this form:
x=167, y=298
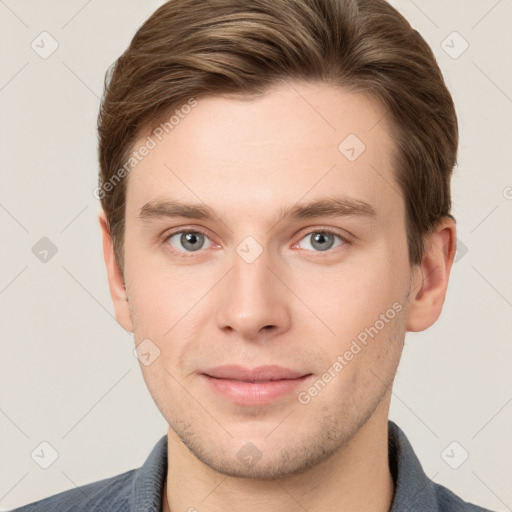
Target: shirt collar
x=148, y=483
x=413, y=489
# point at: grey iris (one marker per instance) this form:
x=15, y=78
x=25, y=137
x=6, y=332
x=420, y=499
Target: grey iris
x=322, y=241
x=192, y=241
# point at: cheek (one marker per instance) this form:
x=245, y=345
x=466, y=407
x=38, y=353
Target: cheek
x=350, y=298
x=151, y=310
x=161, y=294
x=168, y=308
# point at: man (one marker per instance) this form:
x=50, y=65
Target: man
x=275, y=190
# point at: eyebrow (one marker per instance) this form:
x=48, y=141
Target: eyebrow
x=326, y=207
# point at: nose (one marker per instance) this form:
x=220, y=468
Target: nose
x=253, y=302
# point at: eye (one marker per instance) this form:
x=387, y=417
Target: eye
x=321, y=240
x=188, y=241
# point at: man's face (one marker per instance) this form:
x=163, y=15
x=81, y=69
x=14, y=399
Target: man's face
x=254, y=290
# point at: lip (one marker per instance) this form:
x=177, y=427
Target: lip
x=258, y=374
x=253, y=386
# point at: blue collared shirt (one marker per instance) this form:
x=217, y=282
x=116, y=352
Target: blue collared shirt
x=140, y=490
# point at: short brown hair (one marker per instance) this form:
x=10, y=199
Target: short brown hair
x=193, y=48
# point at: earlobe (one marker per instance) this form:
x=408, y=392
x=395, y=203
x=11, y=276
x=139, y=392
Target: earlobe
x=430, y=277
x=115, y=278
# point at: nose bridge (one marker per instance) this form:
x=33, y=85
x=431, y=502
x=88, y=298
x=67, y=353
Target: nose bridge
x=251, y=274
x=253, y=301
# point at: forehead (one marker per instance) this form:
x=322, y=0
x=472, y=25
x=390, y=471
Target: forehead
x=267, y=152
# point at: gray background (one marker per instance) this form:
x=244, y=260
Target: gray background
x=67, y=372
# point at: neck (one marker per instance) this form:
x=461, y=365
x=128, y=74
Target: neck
x=356, y=477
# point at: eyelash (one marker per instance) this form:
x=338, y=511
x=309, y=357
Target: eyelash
x=187, y=254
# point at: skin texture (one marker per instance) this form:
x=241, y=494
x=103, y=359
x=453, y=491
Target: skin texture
x=294, y=306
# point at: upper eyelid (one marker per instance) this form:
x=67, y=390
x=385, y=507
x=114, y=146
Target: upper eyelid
x=167, y=234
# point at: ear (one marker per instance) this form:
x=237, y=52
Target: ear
x=115, y=277
x=430, y=277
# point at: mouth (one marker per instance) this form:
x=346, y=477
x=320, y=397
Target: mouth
x=253, y=386
x=258, y=374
